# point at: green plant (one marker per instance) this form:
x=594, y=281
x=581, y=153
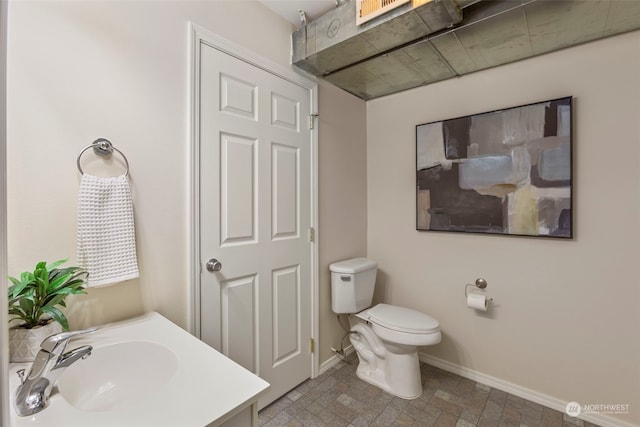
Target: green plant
x=37, y=294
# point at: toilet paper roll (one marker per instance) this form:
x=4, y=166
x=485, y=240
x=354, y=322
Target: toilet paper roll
x=477, y=301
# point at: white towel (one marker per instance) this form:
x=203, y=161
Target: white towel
x=106, y=232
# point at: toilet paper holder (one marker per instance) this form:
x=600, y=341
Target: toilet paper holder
x=480, y=284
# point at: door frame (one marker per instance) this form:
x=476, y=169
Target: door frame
x=199, y=35
x=4, y=331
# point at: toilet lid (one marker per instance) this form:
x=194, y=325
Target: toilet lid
x=403, y=319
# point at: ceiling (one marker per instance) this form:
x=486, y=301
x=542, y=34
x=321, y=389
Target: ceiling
x=440, y=39
x=288, y=9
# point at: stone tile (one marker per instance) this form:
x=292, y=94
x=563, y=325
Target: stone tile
x=446, y=420
x=533, y=405
x=321, y=412
x=338, y=398
x=477, y=400
x=492, y=411
x=445, y=406
x=276, y=407
x=427, y=394
x=485, y=422
x=465, y=387
x=309, y=420
x=279, y=420
x=328, y=397
x=422, y=418
x=444, y=395
x=463, y=423
x=364, y=394
x=342, y=386
x=337, y=422
x=367, y=416
x=511, y=416
x=299, y=405
x=404, y=420
x=471, y=415
x=399, y=403
x=483, y=387
x=498, y=396
x=515, y=398
x=383, y=399
x=573, y=421
x=294, y=395
x=534, y=414
x=418, y=403
x=387, y=417
x=515, y=405
x=327, y=384
x=343, y=411
x=551, y=418
x=531, y=421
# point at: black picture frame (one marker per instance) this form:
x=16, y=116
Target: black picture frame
x=506, y=172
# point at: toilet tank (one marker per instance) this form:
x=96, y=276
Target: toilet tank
x=352, y=284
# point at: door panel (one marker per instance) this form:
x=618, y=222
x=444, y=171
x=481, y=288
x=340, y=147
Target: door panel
x=285, y=195
x=255, y=208
x=238, y=97
x=238, y=307
x=238, y=188
x=286, y=307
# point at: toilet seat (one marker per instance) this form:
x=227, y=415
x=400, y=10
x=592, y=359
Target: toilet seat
x=401, y=325
x=403, y=319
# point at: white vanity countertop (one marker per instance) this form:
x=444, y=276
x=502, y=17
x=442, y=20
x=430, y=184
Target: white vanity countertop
x=207, y=388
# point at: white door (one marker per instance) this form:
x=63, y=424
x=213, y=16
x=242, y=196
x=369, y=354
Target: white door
x=255, y=215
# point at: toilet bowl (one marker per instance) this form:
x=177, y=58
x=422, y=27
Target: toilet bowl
x=386, y=342
x=385, y=337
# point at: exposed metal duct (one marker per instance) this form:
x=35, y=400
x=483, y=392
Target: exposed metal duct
x=441, y=39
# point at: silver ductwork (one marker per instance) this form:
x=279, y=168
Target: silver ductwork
x=410, y=47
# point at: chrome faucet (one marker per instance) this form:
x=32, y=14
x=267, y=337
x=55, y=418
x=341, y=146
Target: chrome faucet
x=32, y=395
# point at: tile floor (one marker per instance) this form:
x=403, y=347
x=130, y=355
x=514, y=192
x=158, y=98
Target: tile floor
x=339, y=398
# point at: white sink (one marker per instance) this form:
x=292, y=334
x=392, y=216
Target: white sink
x=118, y=375
x=147, y=372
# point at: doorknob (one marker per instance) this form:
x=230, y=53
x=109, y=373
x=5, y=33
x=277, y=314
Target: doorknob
x=214, y=265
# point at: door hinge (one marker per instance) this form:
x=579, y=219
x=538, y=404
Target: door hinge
x=312, y=345
x=312, y=234
x=311, y=119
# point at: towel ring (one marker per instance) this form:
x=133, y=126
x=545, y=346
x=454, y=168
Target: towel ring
x=103, y=148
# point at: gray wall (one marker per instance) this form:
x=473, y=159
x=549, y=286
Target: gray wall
x=566, y=317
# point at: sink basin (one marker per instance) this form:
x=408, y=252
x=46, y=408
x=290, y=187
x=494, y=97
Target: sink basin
x=147, y=372
x=117, y=376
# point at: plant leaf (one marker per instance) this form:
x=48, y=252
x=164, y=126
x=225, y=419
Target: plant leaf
x=16, y=311
x=57, y=316
x=54, y=283
x=26, y=279
x=55, y=264
x=26, y=305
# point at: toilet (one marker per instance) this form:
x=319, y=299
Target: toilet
x=385, y=337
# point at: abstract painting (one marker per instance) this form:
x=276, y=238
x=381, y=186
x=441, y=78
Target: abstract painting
x=500, y=172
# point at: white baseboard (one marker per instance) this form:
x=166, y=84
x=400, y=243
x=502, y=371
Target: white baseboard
x=516, y=390
x=334, y=360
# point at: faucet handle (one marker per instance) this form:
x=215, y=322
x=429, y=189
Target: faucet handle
x=21, y=375
x=57, y=343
